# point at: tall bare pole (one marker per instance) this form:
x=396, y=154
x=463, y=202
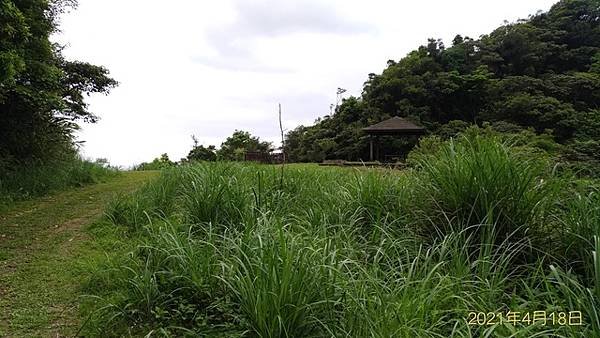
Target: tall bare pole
x=282, y=136
x=282, y=147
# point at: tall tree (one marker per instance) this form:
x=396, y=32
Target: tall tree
x=234, y=147
x=201, y=153
x=41, y=93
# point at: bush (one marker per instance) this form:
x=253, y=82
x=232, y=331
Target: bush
x=159, y=163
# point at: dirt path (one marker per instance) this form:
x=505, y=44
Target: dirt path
x=41, y=242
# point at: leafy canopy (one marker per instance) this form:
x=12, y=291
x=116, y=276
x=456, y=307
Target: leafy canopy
x=201, y=153
x=240, y=142
x=41, y=93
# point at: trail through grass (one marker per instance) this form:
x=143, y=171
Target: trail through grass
x=41, y=242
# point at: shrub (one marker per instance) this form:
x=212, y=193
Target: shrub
x=159, y=163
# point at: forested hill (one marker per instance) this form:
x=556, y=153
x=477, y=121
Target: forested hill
x=542, y=72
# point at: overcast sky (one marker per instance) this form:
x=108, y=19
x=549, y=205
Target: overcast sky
x=209, y=67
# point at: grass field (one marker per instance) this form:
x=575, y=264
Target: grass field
x=476, y=226
x=42, y=244
x=477, y=231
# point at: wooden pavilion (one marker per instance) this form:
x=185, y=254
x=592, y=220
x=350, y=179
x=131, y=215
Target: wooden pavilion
x=264, y=157
x=396, y=126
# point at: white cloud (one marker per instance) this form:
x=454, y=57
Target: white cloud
x=210, y=67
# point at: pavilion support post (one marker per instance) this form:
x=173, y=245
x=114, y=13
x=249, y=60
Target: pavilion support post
x=371, y=148
x=377, y=146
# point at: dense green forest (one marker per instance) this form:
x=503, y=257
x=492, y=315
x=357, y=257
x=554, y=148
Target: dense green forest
x=41, y=99
x=541, y=73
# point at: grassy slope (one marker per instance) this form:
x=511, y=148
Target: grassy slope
x=40, y=243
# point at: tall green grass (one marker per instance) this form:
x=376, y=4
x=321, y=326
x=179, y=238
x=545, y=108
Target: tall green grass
x=580, y=229
x=225, y=249
x=283, y=283
x=478, y=180
x=32, y=180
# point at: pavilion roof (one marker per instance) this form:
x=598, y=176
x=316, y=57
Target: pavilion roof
x=395, y=126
